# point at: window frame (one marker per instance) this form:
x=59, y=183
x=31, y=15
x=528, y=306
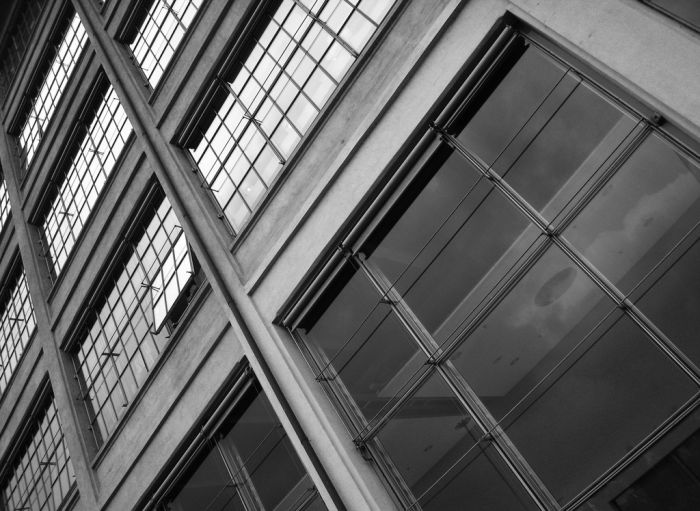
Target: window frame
x=670, y=14
x=185, y=307
x=58, y=31
x=43, y=399
x=199, y=116
x=390, y=191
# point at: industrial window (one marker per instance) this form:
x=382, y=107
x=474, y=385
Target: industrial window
x=41, y=476
x=274, y=92
x=130, y=324
x=61, y=59
x=521, y=318
x=17, y=325
x=17, y=42
x=685, y=11
x=75, y=193
x=160, y=34
x=4, y=203
x=244, y=460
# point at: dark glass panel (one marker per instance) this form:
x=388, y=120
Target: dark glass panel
x=652, y=201
x=673, y=302
x=613, y=394
x=563, y=145
x=514, y=94
x=530, y=331
x=209, y=487
x=445, y=265
x=427, y=436
x=263, y=461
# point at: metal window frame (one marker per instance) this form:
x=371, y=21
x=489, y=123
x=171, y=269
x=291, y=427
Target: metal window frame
x=348, y=246
x=653, y=5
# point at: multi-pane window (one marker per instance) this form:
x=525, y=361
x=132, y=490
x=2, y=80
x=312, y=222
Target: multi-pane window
x=17, y=42
x=276, y=90
x=62, y=60
x=160, y=34
x=248, y=463
x=4, y=203
x=124, y=334
x=17, y=325
x=523, y=317
x=42, y=474
x=75, y=195
x=685, y=11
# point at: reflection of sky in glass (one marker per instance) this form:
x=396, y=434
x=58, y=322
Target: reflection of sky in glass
x=43, y=473
x=16, y=327
x=79, y=190
x=293, y=67
x=46, y=100
x=160, y=34
x=121, y=345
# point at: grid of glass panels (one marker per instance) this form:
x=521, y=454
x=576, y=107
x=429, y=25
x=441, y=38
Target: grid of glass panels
x=249, y=464
x=17, y=324
x=160, y=34
x=123, y=342
x=44, y=102
x=303, y=50
x=4, y=204
x=43, y=474
x=76, y=194
x=18, y=41
x=525, y=315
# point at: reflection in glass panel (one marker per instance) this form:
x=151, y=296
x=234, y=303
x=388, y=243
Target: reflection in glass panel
x=250, y=464
x=648, y=205
x=434, y=444
x=366, y=345
x=292, y=67
x=610, y=396
x=160, y=34
x=41, y=475
x=673, y=302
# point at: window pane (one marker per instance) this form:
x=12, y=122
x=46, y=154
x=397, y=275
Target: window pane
x=160, y=34
x=434, y=444
x=650, y=203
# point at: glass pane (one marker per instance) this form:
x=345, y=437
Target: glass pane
x=514, y=92
x=209, y=487
x=373, y=354
x=687, y=10
x=552, y=308
x=262, y=458
x=611, y=396
x=433, y=443
x=673, y=302
x=652, y=201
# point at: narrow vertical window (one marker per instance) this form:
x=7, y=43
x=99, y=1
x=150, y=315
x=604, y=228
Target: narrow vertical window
x=75, y=193
x=130, y=325
x=41, y=476
x=160, y=34
x=61, y=62
x=4, y=203
x=276, y=89
x=18, y=41
x=17, y=325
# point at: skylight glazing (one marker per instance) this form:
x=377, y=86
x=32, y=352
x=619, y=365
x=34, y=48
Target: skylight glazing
x=4, y=204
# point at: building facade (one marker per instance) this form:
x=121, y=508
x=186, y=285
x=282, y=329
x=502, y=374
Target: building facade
x=350, y=254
